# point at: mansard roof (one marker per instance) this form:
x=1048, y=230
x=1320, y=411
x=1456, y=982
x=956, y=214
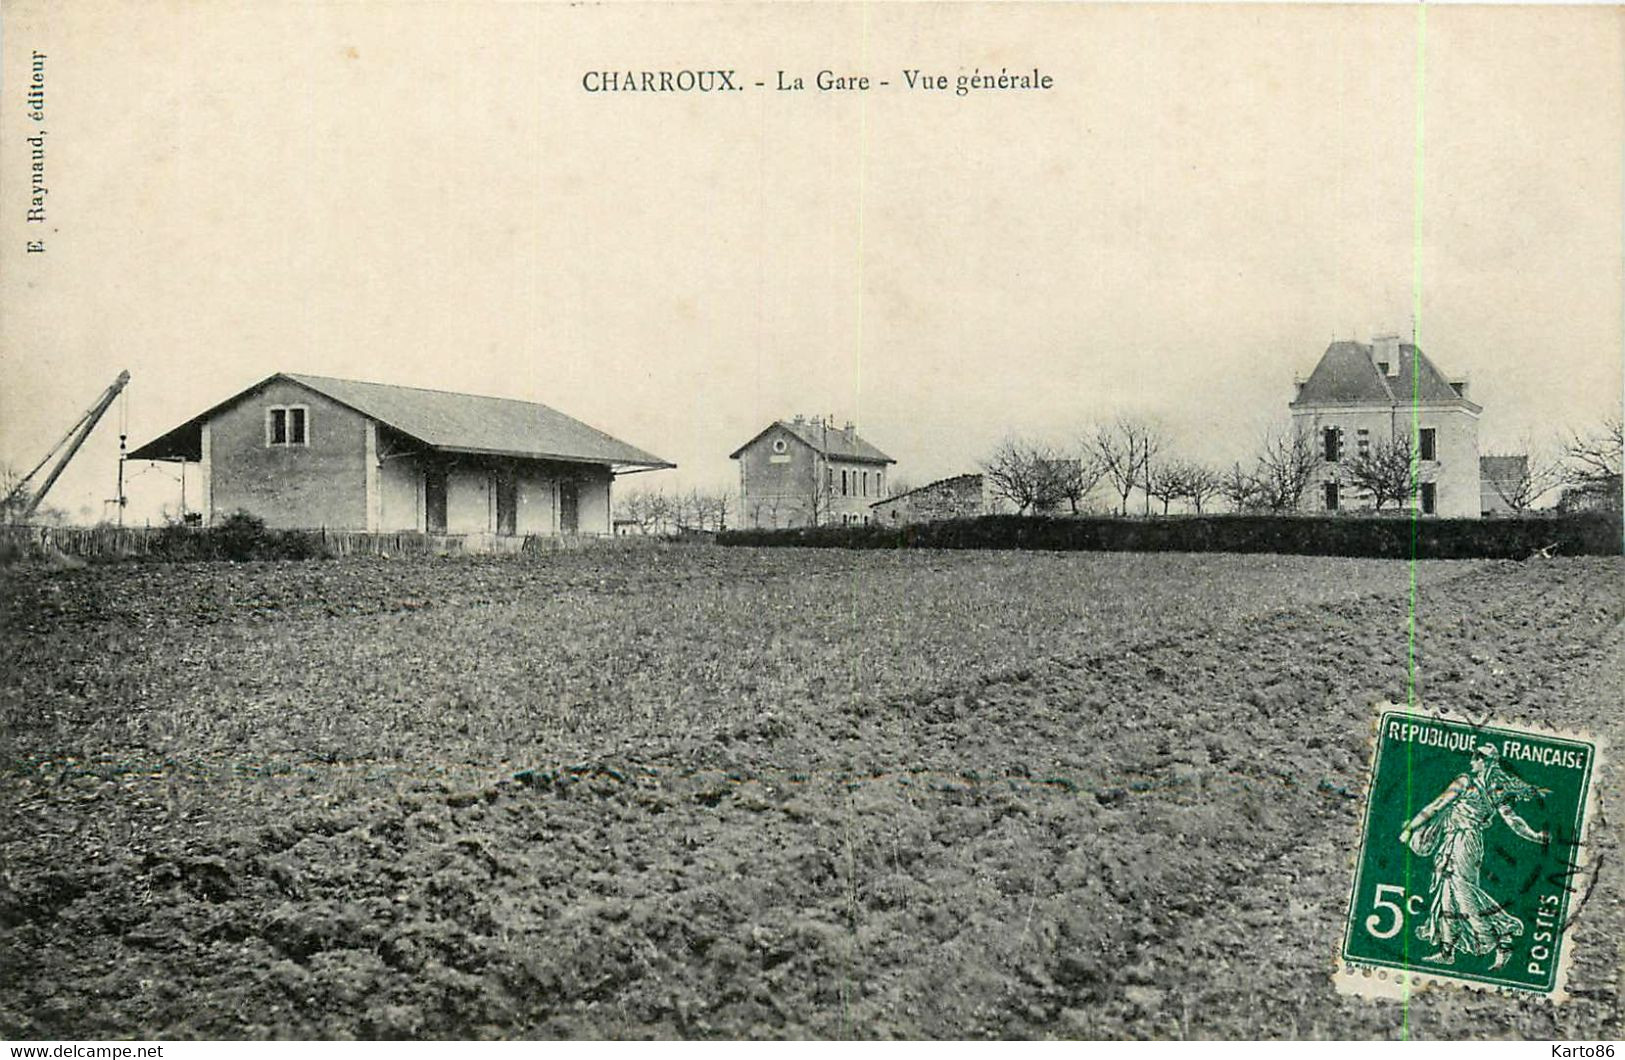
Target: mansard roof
x=1348, y=374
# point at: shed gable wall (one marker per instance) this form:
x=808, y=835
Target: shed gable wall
x=320, y=484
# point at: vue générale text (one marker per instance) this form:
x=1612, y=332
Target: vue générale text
x=962, y=83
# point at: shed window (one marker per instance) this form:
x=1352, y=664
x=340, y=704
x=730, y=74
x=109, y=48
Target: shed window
x=287, y=425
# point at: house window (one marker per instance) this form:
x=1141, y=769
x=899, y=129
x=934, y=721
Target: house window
x=1429, y=444
x=866, y=483
x=843, y=483
x=880, y=483
x=829, y=479
x=1331, y=443
x=779, y=445
x=287, y=425
x=1430, y=498
x=1331, y=496
x=1364, y=442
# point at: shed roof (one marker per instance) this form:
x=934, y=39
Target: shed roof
x=826, y=441
x=1347, y=374
x=967, y=479
x=440, y=419
x=1503, y=468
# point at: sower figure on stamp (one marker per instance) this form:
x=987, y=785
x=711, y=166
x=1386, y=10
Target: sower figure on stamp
x=1450, y=830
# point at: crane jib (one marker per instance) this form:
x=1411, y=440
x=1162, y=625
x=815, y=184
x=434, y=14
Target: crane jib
x=73, y=440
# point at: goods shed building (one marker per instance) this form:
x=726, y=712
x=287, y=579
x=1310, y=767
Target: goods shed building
x=305, y=451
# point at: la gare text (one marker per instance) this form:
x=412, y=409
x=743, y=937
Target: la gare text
x=963, y=83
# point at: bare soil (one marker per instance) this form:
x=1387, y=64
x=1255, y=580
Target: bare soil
x=701, y=792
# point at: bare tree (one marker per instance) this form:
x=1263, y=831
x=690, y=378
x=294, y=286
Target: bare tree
x=1164, y=480
x=648, y=509
x=14, y=496
x=1030, y=475
x=1386, y=472
x=1592, y=461
x=14, y=499
x=690, y=511
x=1124, y=451
x=774, y=502
x=1521, y=481
x=821, y=494
x=1286, y=465
x=1073, y=478
x=1198, y=484
x=1241, y=489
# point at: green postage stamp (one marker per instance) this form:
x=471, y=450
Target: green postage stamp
x=1472, y=863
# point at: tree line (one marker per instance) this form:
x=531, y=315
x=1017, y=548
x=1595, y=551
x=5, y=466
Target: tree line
x=651, y=510
x=1129, y=455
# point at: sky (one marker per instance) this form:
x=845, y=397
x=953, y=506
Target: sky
x=425, y=194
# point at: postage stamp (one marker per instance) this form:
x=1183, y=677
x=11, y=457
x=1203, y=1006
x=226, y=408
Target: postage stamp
x=1472, y=862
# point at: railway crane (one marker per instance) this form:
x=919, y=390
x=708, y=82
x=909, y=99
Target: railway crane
x=72, y=440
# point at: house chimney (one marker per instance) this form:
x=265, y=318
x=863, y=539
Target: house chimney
x=799, y=419
x=849, y=430
x=1385, y=353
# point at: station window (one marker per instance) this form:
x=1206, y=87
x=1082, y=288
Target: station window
x=287, y=425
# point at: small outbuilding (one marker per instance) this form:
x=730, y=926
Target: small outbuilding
x=1503, y=480
x=305, y=451
x=959, y=497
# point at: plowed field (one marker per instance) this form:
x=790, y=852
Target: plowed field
x=703, y=792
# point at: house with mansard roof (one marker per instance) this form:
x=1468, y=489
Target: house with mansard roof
x=1361, y=396
x=306, y=452
x=807, y=472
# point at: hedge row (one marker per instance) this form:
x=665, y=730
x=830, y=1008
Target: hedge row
x=237, y=537
x=1590, y=533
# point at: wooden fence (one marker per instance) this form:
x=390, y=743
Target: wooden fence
x=109, y=542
